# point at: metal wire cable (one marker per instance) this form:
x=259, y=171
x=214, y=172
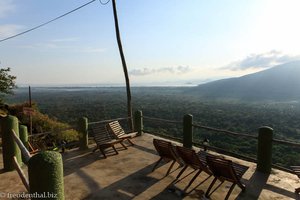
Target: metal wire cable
x=43, y=24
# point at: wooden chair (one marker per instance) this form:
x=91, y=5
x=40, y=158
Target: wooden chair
x=117, y=130
x=166, y=151
x=35, y=144
x=32, y=149
x=296, y=169
x=193, y=160
x=225, y=170
x=103, y=139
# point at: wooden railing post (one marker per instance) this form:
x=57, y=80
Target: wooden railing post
x=9, y=146
x=83, y=133
x=264, y=149
x=138, y=122
x=188, y=131
x=25, y=157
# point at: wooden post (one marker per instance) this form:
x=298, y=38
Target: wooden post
x=30, y=115
x=138, y=122
x=22, y=147
x=264, y=149
x=188, y=131
x=21, y=173
x=129, y=106
x=83, y=133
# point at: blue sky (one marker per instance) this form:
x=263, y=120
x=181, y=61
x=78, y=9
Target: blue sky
x=165, y=42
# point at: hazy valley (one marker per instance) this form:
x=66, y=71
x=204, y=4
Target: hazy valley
x=267, y=98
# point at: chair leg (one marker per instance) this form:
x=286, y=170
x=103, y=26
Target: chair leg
x=229, y=192
x=130, y=141
x=156, y=164
x=95, y=149
x=103, y=152
x=123, y=145
x=170, y=167
x=241, y=186
x=297, y=190
x=210, y=186
x=181, y=171
x=192, y=180
x=113, y=146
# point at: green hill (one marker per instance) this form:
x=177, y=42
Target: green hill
x=279, y=83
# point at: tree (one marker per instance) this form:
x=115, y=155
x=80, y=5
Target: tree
x=7, y=82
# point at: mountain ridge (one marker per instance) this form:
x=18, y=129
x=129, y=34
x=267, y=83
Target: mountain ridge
x=281, y=82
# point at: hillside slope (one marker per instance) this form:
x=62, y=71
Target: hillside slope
x=281, y=82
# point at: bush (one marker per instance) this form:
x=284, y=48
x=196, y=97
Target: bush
x=43, y=123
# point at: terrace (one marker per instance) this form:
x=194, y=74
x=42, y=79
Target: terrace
x=129, y=176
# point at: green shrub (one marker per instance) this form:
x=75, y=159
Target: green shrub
x=43, y=123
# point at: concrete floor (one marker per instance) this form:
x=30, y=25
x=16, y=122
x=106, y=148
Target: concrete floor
x=129, y=175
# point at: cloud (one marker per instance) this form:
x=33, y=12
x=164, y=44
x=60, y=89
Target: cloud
x=59, y=43
x=46, y=45
x=68, y=43
x=8, y=30
x=69, y=39
x=93, y=50
x=261, y=61
x=61, y=46
x=6, y=7
x=170, y=70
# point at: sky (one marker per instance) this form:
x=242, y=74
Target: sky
x=165, y=42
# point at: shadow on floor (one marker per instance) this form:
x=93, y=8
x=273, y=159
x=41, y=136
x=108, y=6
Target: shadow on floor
x=257, y=183
x=2, y=171
x=92, y=184
x=142, y=148
x=75, y=160
x=122, y=190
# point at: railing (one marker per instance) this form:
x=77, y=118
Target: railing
x=47, y=140
x=39, y=165
x=219, y=150
x=187, y=125
x=26, y=156
x=162, y=120
x=185, y=135
x=108, y=120
x=222, y=131
x=225, y=131
x=216, y=149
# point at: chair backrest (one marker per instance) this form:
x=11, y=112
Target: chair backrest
x=222, y=168
x=165, y=149
x=190, y=157
x=116, y=128
x=100, y=134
